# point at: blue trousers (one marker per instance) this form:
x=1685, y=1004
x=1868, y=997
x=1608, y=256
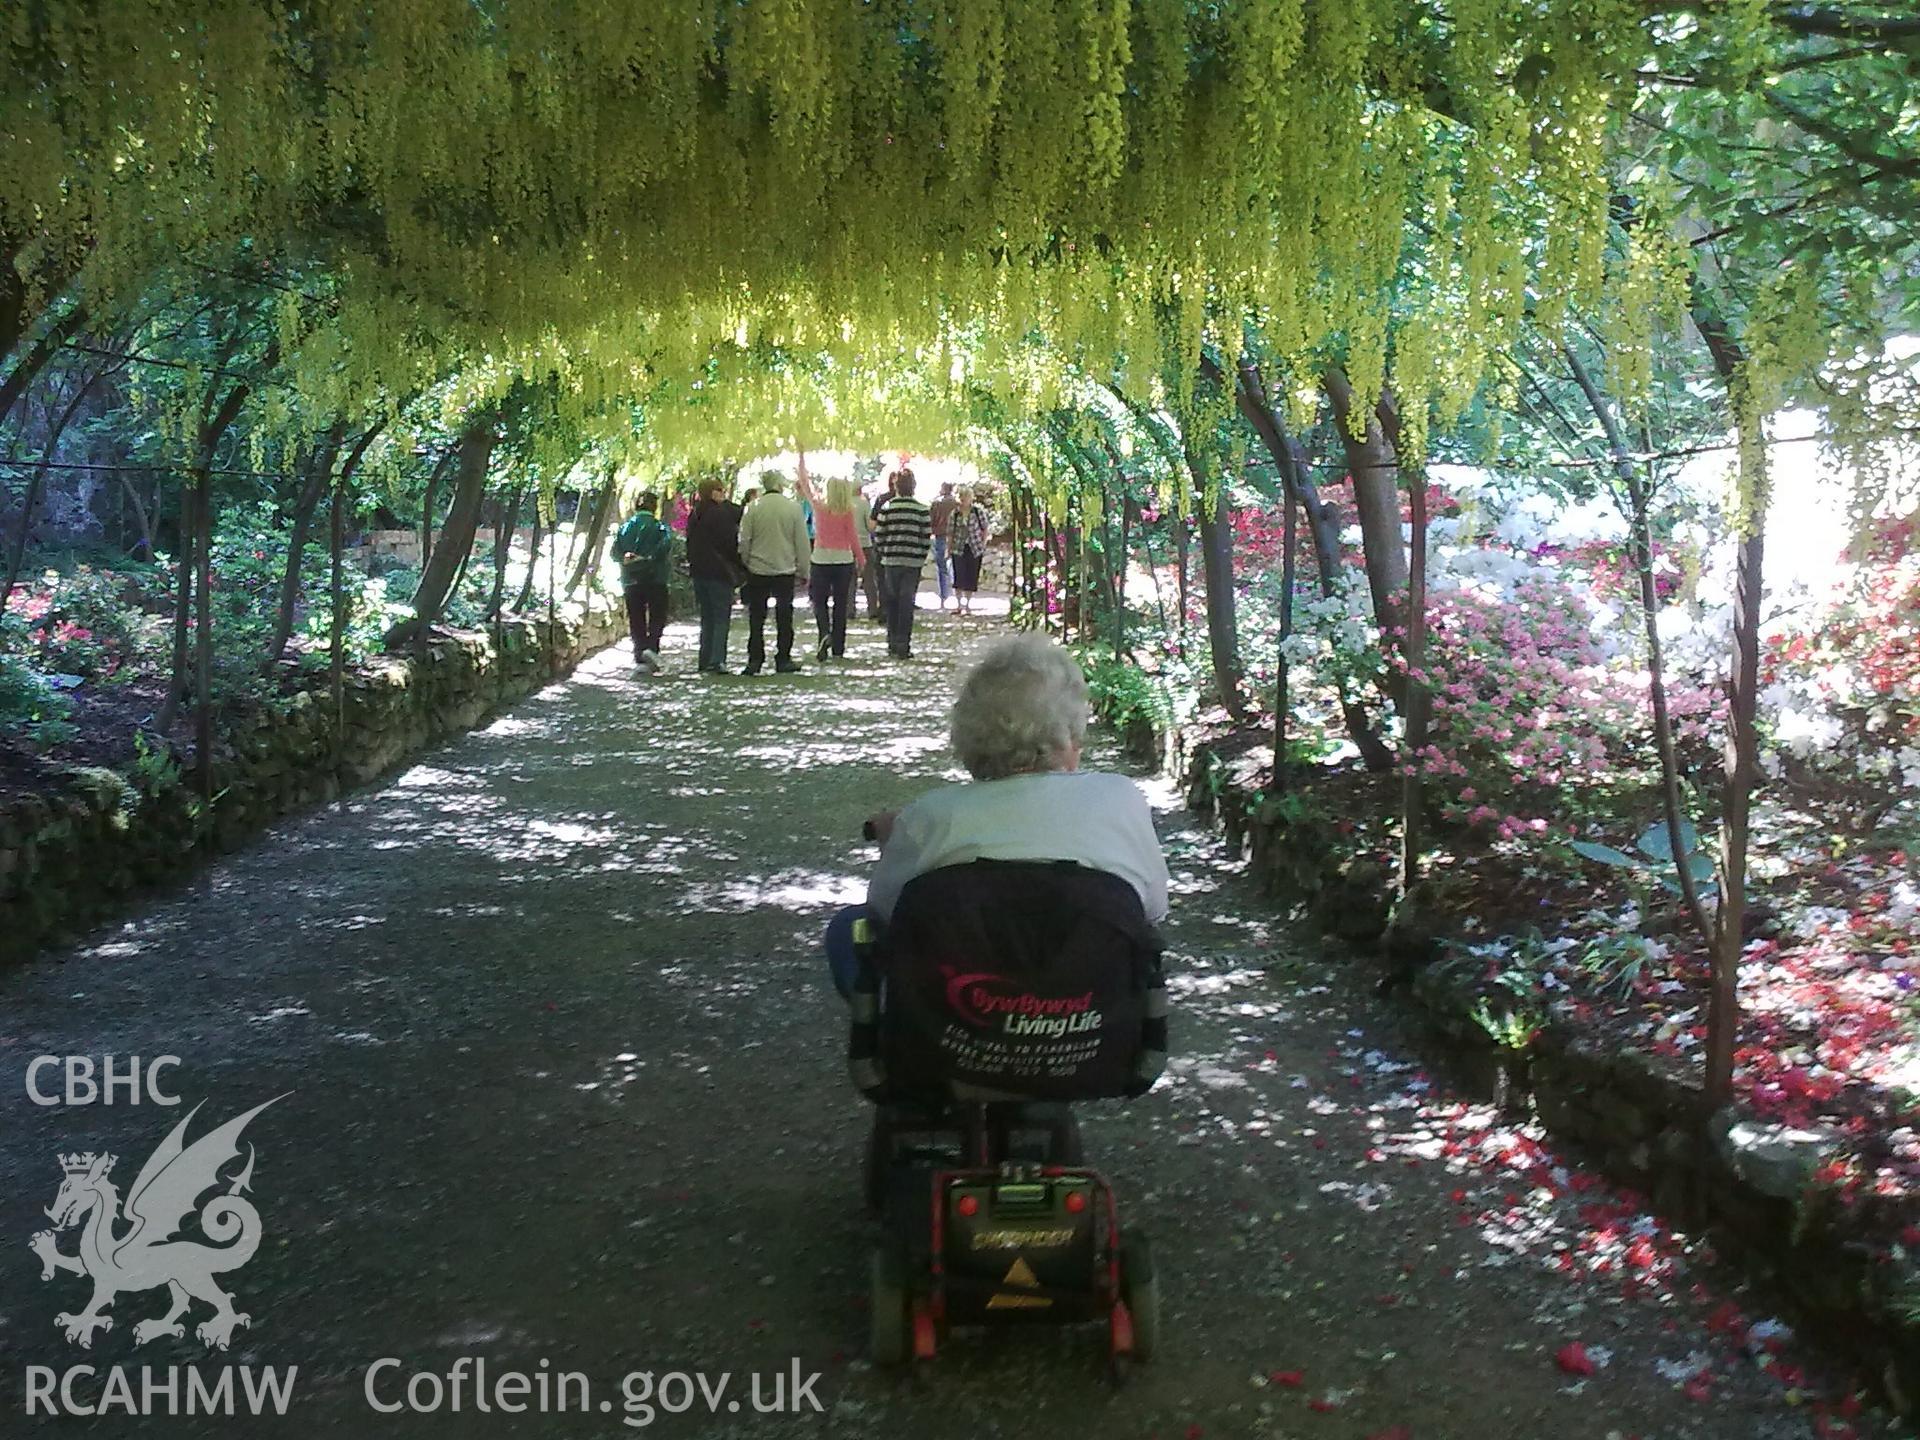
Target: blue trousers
x=715, y=598
x=942, y=568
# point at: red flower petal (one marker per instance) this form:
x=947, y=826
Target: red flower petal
x=1573, y=1359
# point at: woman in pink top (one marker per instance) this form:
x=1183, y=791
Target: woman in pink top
x=837, y=558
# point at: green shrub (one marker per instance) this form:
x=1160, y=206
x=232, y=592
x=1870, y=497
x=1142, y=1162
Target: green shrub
x=1123, y=693
x=32, y=711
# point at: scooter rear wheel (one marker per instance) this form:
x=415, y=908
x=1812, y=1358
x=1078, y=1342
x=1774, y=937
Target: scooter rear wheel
x=1140, y=1291
x=889, y=1307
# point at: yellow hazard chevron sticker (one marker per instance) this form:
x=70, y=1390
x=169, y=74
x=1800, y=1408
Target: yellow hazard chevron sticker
x=1019, y=1275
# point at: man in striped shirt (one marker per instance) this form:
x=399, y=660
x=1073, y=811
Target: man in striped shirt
x=902, y=536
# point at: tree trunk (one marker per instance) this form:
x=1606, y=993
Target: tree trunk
x=553, y=605
x=1034, y=562
x=182, y=611
x=1289, y=542
x=319, y=473
x=1119, y=575
x=1413, y=787
x=1742, y=767
x=1182, y=579
x=474, y=452
x=596, y=538
x=196, y=553
x=139, y=517
x=1216, y=565
x=210, y=436
x=337, y=598
x=1639, y=504
x=525, y=597
x=1322, y=529
x=1046, y=574
x=13, y=298
x=434, y=476
x=1742, y=743
x=502, y=547
x=203, y=636
x=1376, y=496
x=1076, y=556
x=38, y=354
x=1022, y=553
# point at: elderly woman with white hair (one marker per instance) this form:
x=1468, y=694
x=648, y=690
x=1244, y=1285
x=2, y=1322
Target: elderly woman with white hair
x=1018, y=727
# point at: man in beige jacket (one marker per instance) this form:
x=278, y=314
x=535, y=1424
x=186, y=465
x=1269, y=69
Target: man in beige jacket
x=777, y=553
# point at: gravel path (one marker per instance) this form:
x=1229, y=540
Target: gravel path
x=564, y=1088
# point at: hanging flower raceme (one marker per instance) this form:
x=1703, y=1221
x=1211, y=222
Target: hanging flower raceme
x=610, y=194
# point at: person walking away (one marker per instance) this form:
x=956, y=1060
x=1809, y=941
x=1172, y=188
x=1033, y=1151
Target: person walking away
x=713, y=560
x=644, y=545
x=877, y=602
x=868, y=581
x=837, y=555
x=902, y=537
x=967, y=542
x=775, y=550
x=941, y=513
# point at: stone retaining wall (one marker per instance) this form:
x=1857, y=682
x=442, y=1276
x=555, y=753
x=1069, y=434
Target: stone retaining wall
x=1643, y=1121
x=404, y=545
x=70, y=860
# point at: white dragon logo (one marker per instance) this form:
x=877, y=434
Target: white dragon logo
x=147, y=1255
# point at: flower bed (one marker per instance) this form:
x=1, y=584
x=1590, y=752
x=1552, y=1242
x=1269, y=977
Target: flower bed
x=71, y=853
x=1825, y=1203
x=1583, y=983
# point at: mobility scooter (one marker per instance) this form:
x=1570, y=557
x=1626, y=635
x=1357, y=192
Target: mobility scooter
x=1001, y=993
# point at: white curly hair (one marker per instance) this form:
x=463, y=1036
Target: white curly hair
x=1022, y=709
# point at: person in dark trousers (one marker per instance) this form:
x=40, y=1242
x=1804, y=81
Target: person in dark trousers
x=870, y=580
x=967, y=545
x=777, y=553
x=644, y=544
x=902, y=538
x=838, y=553
x=713, y=560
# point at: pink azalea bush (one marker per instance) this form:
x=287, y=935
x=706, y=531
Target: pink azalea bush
x=1525, y=714
x=75, y=624
x=1537, y=720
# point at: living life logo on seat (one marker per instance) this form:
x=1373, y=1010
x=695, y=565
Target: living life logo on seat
x=988, y=1002
x=139, y=1245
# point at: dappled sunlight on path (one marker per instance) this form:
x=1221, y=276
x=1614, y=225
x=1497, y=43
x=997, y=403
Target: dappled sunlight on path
x=567, y=1083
